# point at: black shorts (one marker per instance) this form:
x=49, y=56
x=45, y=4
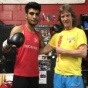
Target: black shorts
x=25, y=82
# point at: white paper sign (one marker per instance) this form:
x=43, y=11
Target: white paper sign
x=43, y=77
x=42, y=1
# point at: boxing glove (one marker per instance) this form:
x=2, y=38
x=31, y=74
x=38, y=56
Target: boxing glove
x=57, y=28
x=16, y=39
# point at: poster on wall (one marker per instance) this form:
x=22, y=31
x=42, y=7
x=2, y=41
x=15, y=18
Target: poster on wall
x=42, y=1
x=45, y=32
x=43, y=77
x=44, y=63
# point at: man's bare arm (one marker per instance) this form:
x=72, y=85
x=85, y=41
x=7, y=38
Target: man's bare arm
x=81, y=51
x=46, y=49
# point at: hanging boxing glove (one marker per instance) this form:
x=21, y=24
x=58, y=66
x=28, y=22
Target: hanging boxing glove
x=57, y=28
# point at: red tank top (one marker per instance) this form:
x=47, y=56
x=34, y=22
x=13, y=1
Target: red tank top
x=27, y=55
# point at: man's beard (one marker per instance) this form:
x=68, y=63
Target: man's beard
x=33, y=25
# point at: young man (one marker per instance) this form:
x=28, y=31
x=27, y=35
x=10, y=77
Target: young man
x=71, y=46
x=26, y=70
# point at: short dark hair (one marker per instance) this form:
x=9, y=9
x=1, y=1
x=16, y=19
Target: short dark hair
x=33, y=5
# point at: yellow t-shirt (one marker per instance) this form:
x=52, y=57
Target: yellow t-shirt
x=70, y=40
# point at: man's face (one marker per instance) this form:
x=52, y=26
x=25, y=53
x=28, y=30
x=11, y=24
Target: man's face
x=33, y=16
x=66, y=19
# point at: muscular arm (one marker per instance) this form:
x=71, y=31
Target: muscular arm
x=81, y=51
x=46, y=49
x=42, y=44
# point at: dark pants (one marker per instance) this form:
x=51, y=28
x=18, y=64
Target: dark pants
x=25, y=82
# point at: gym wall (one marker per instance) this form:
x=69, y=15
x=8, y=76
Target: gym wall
x=14, y=14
